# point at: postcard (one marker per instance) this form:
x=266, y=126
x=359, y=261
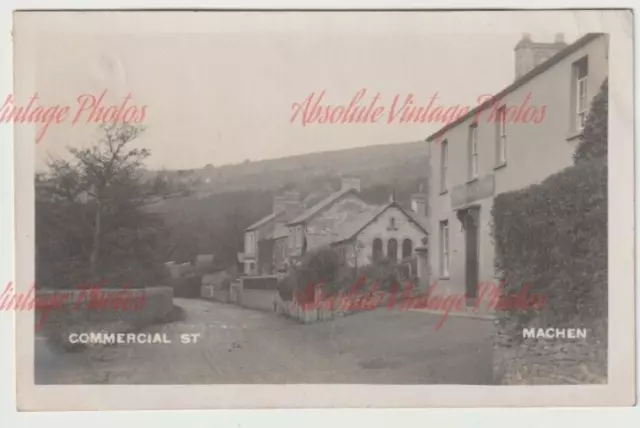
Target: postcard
x=226, y=209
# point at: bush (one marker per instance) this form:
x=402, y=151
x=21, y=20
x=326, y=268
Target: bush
x=188, y=286
x=595, y=135
x=287, y=286
x=553, y=238
x=317, y=267
x=384, y=273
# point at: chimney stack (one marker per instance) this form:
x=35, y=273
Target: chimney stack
x=288, y=202
x=419, y=202
x=530, y=54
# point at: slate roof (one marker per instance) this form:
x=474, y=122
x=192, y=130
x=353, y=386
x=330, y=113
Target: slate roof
x=322, y=205
x=279, y=232
x=264, y=221
x=350, y=230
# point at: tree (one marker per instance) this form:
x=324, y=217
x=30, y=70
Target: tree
x=595, y=135
x=95, y=206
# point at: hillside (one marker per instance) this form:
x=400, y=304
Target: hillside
x=219, y=202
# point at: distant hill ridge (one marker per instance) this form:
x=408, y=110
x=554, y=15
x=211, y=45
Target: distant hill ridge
x=388, y=161
x=218, y=203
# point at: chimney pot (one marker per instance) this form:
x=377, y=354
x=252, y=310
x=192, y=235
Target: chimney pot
x=529, y=55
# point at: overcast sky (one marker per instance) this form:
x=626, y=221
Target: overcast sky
x=219, y=87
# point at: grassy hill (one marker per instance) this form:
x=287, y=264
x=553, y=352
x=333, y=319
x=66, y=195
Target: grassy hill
x=218, y=203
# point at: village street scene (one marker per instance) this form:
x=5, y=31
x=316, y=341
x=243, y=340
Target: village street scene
x=445, y=249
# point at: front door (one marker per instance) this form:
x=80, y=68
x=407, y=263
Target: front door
x=471, y=265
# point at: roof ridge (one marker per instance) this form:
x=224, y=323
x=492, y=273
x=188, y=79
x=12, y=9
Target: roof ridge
x=316, y=208
x=520, y=81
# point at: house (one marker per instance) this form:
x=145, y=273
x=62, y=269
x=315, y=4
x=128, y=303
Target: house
x=261, y=237
x=319, y=226
x=390, y=232
x=218, y=279
x=361, y=232
x=525, y=133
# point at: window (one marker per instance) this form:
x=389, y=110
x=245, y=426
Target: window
x=444, y=249
x=407, y=248
x=249, y=243
x=299, y=237
x=392, y=250
x=501, y=137
x=444, y=165
x=581, y=71
x=473, y=151
x=392, y=224
x=377, y=250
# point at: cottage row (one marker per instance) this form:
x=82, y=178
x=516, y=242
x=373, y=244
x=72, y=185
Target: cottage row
x=494, y=148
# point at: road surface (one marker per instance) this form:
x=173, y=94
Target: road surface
x=238, y=345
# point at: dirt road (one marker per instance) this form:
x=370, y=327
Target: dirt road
x=239, y=345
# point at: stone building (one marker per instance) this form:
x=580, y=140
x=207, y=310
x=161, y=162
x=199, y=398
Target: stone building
x=527, y=132
x=262, y=237
x=391, y=232
x=361, y=232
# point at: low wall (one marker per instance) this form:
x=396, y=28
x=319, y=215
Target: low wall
x=543, y=361
x=59, y=313
x=214, y=293
x=330, y=308
x=266, y=282
x=264, y=300
x=260, y=299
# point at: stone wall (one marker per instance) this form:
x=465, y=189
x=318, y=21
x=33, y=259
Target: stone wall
x=260, y=296
x=265, y=282
x=532, y=361
x=330, y=308
x=59, y=313
x=263, y=300
x=215, y=293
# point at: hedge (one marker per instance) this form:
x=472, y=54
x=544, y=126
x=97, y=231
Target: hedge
x=553, y=237
x=593, y=143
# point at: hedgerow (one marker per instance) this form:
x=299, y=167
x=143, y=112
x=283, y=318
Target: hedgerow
x=553, y=237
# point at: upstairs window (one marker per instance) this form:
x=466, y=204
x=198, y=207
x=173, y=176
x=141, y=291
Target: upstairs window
x=444, y=165
x=473, y=151
x=501, y=137
x=581, y=72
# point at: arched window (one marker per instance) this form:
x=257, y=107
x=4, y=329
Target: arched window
x=407, y=248
x=392, y=250
x=377, y=250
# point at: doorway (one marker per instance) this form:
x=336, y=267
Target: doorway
x=471, y=227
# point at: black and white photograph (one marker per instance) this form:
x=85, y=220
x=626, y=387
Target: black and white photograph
x=336, y=200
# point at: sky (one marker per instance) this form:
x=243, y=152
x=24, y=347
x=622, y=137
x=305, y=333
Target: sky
x=220, y=88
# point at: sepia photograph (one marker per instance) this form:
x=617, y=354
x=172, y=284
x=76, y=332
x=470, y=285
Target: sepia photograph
x=340, y=201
